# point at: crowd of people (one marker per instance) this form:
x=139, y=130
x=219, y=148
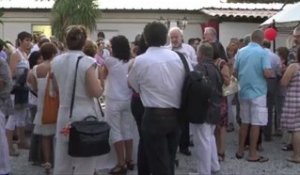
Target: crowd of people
x=141, y=84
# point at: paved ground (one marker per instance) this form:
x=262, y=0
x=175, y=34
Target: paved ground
x=277, y=164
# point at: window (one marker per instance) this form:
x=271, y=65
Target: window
x=42, y=30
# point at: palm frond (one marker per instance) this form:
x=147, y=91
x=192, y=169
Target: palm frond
x=74, y=12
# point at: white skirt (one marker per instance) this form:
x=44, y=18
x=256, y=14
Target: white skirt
x=44, y=130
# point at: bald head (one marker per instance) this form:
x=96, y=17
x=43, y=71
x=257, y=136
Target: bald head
x=176, y=37
x=257, y=36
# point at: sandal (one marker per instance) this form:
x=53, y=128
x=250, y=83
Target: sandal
x=119, y=170
x=239, y=156
x=288, y=147
x=230, y=127
x=130, y=164
x=261, y=159
x=47, y=166
x=293, y=160
x=221, y=157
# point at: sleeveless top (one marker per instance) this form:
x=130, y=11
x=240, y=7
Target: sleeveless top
x=41, y=86
x=22, y=66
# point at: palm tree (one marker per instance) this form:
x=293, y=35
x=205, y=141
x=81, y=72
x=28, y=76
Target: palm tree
x=73, y=12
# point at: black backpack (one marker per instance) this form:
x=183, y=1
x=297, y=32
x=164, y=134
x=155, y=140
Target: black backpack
x=197, y=92
x=20, y=89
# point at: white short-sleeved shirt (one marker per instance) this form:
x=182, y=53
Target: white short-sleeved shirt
x=187, y=51
x=158, y=76
x=117, y=87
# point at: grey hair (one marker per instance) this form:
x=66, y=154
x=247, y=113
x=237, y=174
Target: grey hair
x=211, y=30
x=175, y=29
x=206, y=49
x=296, y=30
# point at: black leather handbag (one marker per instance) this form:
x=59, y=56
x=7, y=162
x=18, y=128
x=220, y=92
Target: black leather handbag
x=88, y=137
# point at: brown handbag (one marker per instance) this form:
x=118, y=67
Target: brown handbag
x=51, y=105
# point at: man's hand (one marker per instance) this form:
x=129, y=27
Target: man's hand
x=268, y=73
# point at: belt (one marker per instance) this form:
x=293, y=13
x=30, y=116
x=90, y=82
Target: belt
x=162, y=110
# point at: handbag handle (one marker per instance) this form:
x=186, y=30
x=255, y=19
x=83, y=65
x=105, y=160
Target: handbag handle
x=101, y=110
x=74, y=86
x=90, y=117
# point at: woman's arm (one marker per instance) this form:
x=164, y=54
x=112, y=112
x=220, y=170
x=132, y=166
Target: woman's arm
x=104, y=72
x=226, y=74
x=31, y=80
x=93, y=83
x=288, y=75
x=13, y=61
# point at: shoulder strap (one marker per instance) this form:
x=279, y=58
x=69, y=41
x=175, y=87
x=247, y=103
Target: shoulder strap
x=74, y=87
x=99, y=104
x=185, y=63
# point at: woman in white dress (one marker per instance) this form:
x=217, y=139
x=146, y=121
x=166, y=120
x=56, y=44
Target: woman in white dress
x=117, y=99
x=38, y=81
x=88, y=86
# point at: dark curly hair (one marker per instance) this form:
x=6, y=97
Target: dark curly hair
x=120, y=48
x=155, y=34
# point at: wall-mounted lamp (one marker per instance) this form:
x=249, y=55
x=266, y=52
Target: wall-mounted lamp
x=181, y=23
x=164, y=21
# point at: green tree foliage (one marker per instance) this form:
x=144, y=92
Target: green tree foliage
x=73, y=12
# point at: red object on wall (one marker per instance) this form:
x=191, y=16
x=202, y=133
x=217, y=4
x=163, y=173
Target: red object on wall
x=211, y=23
x=270, y=34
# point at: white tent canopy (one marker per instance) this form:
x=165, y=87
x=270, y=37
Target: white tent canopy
x=290, y=15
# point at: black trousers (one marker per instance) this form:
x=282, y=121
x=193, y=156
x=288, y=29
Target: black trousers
x=184, y=140
x=271, y=104
x=137, y=110
x=160, y=131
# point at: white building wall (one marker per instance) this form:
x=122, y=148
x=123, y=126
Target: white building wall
x=230, y=30
x=10, y=30
x=112, y=23
x=130, y=30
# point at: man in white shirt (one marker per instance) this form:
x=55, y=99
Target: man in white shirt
x=158, y=76
x=176, y=38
